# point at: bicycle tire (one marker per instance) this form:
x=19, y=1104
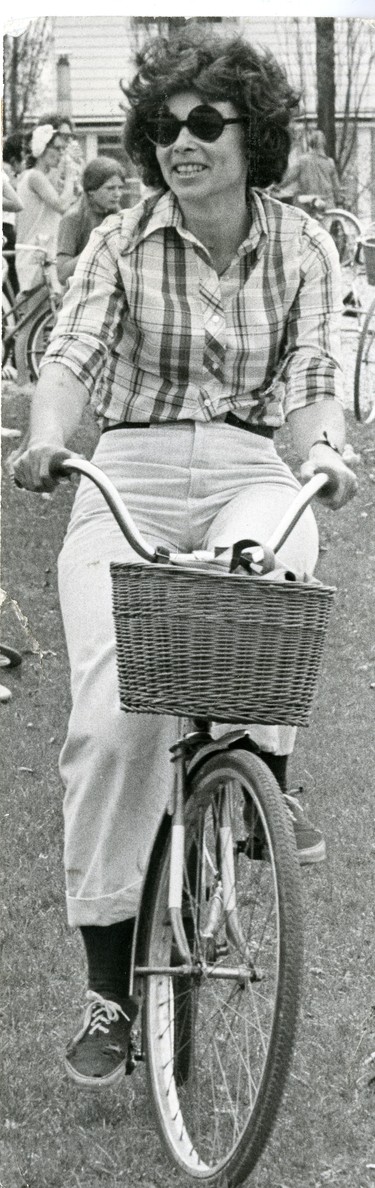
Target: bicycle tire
x=364, y=372
x=38, y=340
x=247, y=1027
x=8, y=325
x=345, y=228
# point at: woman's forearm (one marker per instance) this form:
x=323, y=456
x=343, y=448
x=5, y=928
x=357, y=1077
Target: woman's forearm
x=65, y=267
x=308, y=425
x=57, y=406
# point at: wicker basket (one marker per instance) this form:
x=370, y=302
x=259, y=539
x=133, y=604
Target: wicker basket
x=369, y=254
x=229, y=648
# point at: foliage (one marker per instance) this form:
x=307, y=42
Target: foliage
x=355, y=61
x=24, y=58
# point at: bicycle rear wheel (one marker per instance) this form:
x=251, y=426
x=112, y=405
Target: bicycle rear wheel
x=219, y=1039
x=364, y=374
x=8, y=324
x=38, y=340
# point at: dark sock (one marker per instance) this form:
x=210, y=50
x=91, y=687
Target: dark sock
x=108, y=951
x=278, y=765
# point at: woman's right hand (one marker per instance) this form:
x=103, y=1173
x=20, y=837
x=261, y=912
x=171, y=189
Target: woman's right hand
x=31, y=468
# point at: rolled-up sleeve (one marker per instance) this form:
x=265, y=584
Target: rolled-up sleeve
x=92, y=315
x=313, y=371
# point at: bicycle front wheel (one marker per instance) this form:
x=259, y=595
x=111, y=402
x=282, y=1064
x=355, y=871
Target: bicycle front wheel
x=364, y=374
x=38, y=340
x=219, y=1037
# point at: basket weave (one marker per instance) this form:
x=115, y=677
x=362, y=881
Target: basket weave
x=369, y=254
x=229, y=648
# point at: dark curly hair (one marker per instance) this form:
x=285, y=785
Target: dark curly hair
x=216, y=69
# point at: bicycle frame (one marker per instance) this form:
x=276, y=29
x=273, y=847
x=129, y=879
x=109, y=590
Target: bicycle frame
x=192, y=747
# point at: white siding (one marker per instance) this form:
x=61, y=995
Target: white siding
x=292, y=40
x=100, y=53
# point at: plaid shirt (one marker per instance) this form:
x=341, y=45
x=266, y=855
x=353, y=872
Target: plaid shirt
x=149, y=326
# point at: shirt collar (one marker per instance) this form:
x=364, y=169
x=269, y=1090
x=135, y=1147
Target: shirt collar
x=163, y=210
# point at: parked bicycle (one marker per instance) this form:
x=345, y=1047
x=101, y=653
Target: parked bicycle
x=364, y=374
x=31, y=315
x=217, y=953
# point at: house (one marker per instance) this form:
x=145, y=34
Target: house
x=90, y=55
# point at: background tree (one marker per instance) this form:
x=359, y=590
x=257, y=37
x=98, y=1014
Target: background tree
x=24, y=58
x=355, y=63
x=325, y=80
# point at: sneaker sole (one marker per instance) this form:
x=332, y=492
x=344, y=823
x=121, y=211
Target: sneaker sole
x=314, y=854
x=97, y=1083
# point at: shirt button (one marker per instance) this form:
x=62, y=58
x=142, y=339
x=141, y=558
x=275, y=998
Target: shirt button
x=206, y=400
x=216, y=318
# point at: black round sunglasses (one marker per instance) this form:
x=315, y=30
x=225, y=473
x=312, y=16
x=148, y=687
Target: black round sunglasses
x=204, y=122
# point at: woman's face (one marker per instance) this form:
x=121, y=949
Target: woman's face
x=54, y=151
x=107, y=198
x=203, y=170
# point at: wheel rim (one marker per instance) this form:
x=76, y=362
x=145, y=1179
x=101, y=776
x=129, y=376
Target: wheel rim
x=367, y=378
x=205, y=1114
x=38, y=343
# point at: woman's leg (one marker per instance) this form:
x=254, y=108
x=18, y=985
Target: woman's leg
x=255, y=512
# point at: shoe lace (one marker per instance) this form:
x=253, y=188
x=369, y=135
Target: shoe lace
x=101, y=1012
x=292, y=803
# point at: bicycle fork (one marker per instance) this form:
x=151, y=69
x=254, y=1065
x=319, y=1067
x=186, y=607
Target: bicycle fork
x=224, y=900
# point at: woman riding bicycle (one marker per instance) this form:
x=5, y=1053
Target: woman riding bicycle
x=181, y=313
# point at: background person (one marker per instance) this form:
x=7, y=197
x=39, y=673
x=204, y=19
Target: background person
x=180, y=314
x=314, y=173
x=42, y=205
x=13, y=165
x=102, y=183
x=71, y=158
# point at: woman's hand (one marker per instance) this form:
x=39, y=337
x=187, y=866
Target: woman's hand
x=32, y=468
x=342, y=482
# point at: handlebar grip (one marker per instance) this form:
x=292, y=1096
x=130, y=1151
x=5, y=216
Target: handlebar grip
x=57, y=464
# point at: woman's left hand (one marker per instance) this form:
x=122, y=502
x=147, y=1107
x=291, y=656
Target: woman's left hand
x=342, y=482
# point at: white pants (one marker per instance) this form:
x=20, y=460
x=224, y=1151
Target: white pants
x=189, y=485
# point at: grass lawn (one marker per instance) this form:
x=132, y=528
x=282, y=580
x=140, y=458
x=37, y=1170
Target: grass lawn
x=53, y=1136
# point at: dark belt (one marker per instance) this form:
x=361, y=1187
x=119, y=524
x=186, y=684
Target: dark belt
x=229, y=419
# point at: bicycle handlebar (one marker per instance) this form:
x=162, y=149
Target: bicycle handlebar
x=62, y=465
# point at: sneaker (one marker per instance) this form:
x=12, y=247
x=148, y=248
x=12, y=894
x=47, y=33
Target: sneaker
x=97, y=1055
x=311, y=846
x=310, y=843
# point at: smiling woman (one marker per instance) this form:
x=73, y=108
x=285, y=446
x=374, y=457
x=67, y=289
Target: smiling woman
x=230, y=71
x=183, y=313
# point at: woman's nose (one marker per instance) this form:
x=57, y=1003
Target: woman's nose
x=185, y=139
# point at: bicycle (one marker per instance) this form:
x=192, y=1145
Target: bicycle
x=217, y=951
x=33, y=313
x=364, y=373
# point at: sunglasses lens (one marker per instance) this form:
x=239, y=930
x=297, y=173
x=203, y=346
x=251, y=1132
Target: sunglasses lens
x=164, y=130
x=206, y=123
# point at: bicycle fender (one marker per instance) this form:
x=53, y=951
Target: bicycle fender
x=225, y=743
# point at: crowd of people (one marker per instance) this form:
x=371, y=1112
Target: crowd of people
x=51, y=201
